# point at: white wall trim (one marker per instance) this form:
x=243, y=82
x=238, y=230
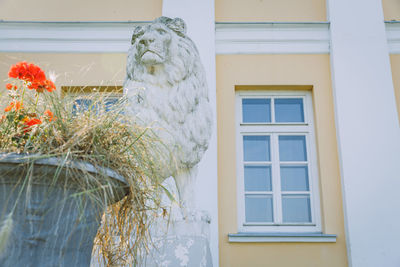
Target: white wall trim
x=281, y=238
x=113, y=37
x=368, y=138
x=272, y=38
x=393, y=36
x=66, y=37
x=231, y=38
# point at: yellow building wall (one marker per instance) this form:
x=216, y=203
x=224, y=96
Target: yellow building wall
x=391, y=9
x=72, y=69
x=270, y=10
x=233, y=70
x=395, y=63
x=80, y=10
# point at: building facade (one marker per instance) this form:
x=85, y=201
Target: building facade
x=303, y=168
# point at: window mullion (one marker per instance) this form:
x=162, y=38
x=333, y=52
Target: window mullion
x=272, y=110
x=276, y=179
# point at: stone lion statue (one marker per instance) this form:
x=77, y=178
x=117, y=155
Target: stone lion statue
x=167, y=89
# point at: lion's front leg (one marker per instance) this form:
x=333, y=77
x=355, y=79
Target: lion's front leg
x=185, y=182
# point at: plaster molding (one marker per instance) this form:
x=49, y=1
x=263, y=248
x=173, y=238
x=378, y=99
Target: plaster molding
x=66, y=37
x=272, y=38
x=282, y=238
x=393, y=36
x=231, y=38
x=114, y=37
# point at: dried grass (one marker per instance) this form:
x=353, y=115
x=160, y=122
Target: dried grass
x=106, y=139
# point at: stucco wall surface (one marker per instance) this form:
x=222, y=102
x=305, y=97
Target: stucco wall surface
x=71, y=69
x=75, y=10
x=391, y=9
x=395, y=64
x=233, y=70
x=270, y=10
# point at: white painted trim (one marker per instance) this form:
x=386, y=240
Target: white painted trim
x=231, y=38
x=281, y=238
x=368, y=138
x=272, y=38
x=66, y=37
x=114, y=37
x=393, y=36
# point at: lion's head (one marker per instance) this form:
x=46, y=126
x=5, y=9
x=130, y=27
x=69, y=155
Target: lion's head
x=161, y=51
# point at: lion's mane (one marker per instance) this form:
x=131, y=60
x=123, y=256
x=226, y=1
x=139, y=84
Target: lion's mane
x=172, y=97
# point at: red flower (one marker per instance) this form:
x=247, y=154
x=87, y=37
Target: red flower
x=28, y=72
x=47, y=84
x=32, y=75
x=30, y=122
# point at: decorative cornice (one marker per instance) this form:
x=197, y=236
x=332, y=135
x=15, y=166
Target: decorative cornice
x=393, y=36
x=281, y=238
x=231, y=38
x=272, y=38
x=66, y=37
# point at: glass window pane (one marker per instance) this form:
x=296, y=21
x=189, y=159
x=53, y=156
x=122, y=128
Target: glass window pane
x=82, y=104
x=258, y=208
x=257, y=178
x=256, y=148
x=296, y=208
x=292, y=148
x=294, y=178
x=109, y=103
x=289, y=110
x=256, y=110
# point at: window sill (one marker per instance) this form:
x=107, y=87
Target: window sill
x=281, y=238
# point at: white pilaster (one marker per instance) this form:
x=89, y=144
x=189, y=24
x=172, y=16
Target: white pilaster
x=368, y=132
x=200, y=19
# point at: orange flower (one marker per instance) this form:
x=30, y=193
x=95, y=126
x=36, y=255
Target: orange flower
x=9, y=86
x=50, y=115
x=16, y=105
x=9, y=107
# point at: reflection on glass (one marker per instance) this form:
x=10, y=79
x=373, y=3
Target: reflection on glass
x=296, y=208
x=258, y=208
x=289, y=110
x=256, y=148
x=294, y=178
x=81, y=105
x=257, y=178
x=256, y=110
x=292, y=148
x=109, y=103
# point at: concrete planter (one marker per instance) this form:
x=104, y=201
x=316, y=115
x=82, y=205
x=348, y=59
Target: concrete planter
x=54, y=222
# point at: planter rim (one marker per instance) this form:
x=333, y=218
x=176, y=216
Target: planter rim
x=40, y=159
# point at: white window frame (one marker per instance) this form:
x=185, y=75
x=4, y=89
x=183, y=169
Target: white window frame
x=274, y=129
x=90, y=95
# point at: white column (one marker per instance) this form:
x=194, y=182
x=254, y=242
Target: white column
x=368, y=132
x=200, y=19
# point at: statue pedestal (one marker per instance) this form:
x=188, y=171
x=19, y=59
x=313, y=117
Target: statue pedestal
x=182, y=243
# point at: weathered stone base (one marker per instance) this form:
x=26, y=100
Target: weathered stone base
x=185, y=245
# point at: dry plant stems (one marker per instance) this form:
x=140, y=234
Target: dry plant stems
x=39, y=123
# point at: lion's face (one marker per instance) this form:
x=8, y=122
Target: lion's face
x=161, y=53
x=152, y=43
